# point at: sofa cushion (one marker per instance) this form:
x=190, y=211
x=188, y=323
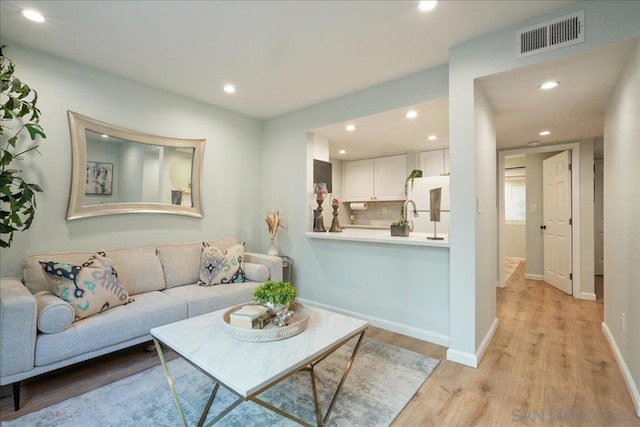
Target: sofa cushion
x=221, y=266
x=181, y=263
x=90, y=288
x=204, y=299
x=139, y=269
x=54, y=314
x=256, y=272
x=34, y=275
x=111, y=327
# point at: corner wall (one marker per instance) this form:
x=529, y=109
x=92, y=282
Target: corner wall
x=622, y=223
x=231, y=162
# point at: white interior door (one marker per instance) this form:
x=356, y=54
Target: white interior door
x=599, y=216
x=556, y=216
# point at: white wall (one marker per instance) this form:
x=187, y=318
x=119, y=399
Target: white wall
x=515, y=240
x=622, y=222
x=486, y=215
x=231, y=176
x=406, y=287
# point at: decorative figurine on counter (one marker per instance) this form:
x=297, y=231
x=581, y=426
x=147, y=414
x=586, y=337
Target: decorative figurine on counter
x=435, y=197
x=335, y=224
x=321, y=192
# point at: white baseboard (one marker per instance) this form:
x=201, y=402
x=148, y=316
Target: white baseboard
x=470, y=359
x=534, y=276
x=462, y=357
x=411, y=331
x=589, y=296
x=487, y=339
x=628, y=379
x=516, y=258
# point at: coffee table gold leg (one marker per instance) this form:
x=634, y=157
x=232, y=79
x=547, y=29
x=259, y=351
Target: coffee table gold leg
x=205, y=411
x=344, y=377
x=315, y=395
x=170, y=381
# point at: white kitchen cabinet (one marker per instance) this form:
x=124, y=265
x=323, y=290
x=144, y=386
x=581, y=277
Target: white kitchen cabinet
x=435, y=162
x=379, y=179
x=358, y=180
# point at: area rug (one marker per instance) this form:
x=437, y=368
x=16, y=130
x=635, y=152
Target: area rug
x=382, y=380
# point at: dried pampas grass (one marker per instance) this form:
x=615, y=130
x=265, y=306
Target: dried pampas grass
x=273, y=223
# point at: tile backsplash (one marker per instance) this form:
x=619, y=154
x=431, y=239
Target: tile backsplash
x=377, y=214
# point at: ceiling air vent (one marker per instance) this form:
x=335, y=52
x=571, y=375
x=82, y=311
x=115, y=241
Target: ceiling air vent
x=560, y=32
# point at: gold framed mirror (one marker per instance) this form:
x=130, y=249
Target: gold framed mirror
x=117, y=170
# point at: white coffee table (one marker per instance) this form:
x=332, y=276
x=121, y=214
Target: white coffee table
x=247, y=369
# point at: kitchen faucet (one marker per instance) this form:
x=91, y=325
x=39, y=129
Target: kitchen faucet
x=405, y=214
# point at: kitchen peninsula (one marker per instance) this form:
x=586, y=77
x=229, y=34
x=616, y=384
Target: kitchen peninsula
x=377, y=235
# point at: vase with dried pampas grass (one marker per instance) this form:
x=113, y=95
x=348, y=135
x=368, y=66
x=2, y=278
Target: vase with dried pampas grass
x=273, y=224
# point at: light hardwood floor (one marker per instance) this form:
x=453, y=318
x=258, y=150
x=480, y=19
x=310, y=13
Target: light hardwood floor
x=548, y=364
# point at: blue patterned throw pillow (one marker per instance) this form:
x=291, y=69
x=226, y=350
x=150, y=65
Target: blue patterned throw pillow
x=90, y=288
x=218, y=266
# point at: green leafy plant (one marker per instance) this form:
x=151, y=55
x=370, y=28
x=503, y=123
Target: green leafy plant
x=17, y=115
x=276, y=293
x=401, y=223
x=416, y=173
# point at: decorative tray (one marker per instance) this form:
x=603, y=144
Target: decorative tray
x=271, y=332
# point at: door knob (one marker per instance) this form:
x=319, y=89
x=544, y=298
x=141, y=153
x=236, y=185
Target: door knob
x=543, y=227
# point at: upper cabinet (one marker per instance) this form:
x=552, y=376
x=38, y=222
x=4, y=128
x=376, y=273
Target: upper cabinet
x=434, y=163
x=380, y=179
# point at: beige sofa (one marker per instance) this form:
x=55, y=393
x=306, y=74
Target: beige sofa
x=35, y=338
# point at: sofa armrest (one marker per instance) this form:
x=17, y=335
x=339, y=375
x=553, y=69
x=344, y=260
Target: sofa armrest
x=18, y=316
x=274, y=264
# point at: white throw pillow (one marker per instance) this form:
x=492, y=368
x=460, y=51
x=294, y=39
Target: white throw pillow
x=54, y=314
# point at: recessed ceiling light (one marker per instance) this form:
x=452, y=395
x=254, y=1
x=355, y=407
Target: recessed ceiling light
x=432, y=137
x=350, y=128
x=545, y=133
x=427, y=5
x=411, y=114
x=548, y=85
x=342, y=152
x=33, y=15
x=105, y=136
x=229, y=88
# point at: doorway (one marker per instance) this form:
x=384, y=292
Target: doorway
x=535, y=272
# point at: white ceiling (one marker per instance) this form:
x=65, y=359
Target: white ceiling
x=572, y=111
x=285, y=55
x=391, y=132
x=281, y=55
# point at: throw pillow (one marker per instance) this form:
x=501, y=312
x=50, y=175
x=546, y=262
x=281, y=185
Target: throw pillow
x=256, y=272
x=90, y=288
x=218, y=266
x=54, y=314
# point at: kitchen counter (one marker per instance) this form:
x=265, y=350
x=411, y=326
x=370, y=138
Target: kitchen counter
x=371, y=235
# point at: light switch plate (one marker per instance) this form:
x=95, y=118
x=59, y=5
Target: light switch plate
x=533, y=208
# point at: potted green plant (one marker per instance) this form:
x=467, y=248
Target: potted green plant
x=17, y=114
x=400, y=228
x=275, y=295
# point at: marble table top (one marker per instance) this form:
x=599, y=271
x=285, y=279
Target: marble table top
x=246, y=367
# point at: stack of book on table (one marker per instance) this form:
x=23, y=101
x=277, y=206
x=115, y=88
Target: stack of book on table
x=250, y=317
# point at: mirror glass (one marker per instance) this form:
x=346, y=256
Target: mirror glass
x=117, y=170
